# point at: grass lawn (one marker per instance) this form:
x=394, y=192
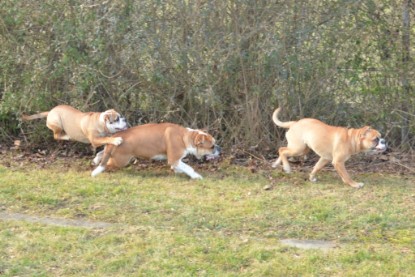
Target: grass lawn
x=231, y=223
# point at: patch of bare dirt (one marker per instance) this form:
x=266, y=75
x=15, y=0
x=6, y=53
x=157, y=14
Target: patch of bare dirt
x=391, y=161
x=309, y=244
x=66, y=156
x=63, y=222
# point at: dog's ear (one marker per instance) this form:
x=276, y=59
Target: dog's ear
x=108, y=115
x=200, y=139
x=364, y=131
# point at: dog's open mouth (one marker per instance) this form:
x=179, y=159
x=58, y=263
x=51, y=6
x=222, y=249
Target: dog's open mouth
x=121, y=128
x=379, y=149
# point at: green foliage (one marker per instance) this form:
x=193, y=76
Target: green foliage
x=224, y=65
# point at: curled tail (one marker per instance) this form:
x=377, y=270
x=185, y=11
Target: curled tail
x=279, y=123
x=34, y=116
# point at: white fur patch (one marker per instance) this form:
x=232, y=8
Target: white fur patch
x=181, y=167
x=287, y=169
x=102, y=118
x=98, y=170
x=190, y=150
x=114, y=126
x=159, y=157
x=118, y=140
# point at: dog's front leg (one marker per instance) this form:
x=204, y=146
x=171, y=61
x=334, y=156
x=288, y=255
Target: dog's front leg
x=181, y=167
x=98, y=141
x=341, y=169
x=98, y=170
x=98, y=158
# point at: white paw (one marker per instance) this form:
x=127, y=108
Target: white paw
x=313, y=179
x=196, y=176
x=359, y=185
x=287, y=169
x=117, y=141
x=97, y=171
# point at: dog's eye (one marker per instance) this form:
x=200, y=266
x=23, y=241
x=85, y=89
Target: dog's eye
x=376, y=140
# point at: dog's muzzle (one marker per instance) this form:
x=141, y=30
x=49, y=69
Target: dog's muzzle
x=215, y=154
x=381, y=145
x=123, y=124
x=123, y=120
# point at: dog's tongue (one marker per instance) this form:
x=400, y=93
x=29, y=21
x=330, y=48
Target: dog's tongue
x=380, y=147
x=210, y=157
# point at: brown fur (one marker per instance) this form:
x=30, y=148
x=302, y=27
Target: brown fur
x=68, y=123
x=332, y=144
x=157, y=141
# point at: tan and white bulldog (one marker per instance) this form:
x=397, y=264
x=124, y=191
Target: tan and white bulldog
x=159, y=142
x=68, y=123
x=335, y=144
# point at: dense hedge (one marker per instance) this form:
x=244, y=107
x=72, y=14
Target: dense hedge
x=222, y=65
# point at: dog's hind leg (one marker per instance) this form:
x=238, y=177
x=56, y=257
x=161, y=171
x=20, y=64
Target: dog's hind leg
x=286, y=152
x=98, y=158
x=295, y=147
x=58, y=132
x=276, y=163
x=319, y=165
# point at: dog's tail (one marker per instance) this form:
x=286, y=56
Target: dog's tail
x=279, y=123
x=34, y=116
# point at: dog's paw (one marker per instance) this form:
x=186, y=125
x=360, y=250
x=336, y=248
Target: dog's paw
x=287, y=169
x=117, y=141
x=313, y=179
x=196, y=176
x=358, y=185
x=97, y=171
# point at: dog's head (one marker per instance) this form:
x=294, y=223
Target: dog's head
x=113, y=121
x=370, y=140
x=205, y=145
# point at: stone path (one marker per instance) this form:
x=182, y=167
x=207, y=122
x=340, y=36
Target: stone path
x=302, y=244
x=309, y=244
x=54, y=221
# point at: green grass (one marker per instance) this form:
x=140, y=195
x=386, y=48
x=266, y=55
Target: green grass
x=224, y=225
